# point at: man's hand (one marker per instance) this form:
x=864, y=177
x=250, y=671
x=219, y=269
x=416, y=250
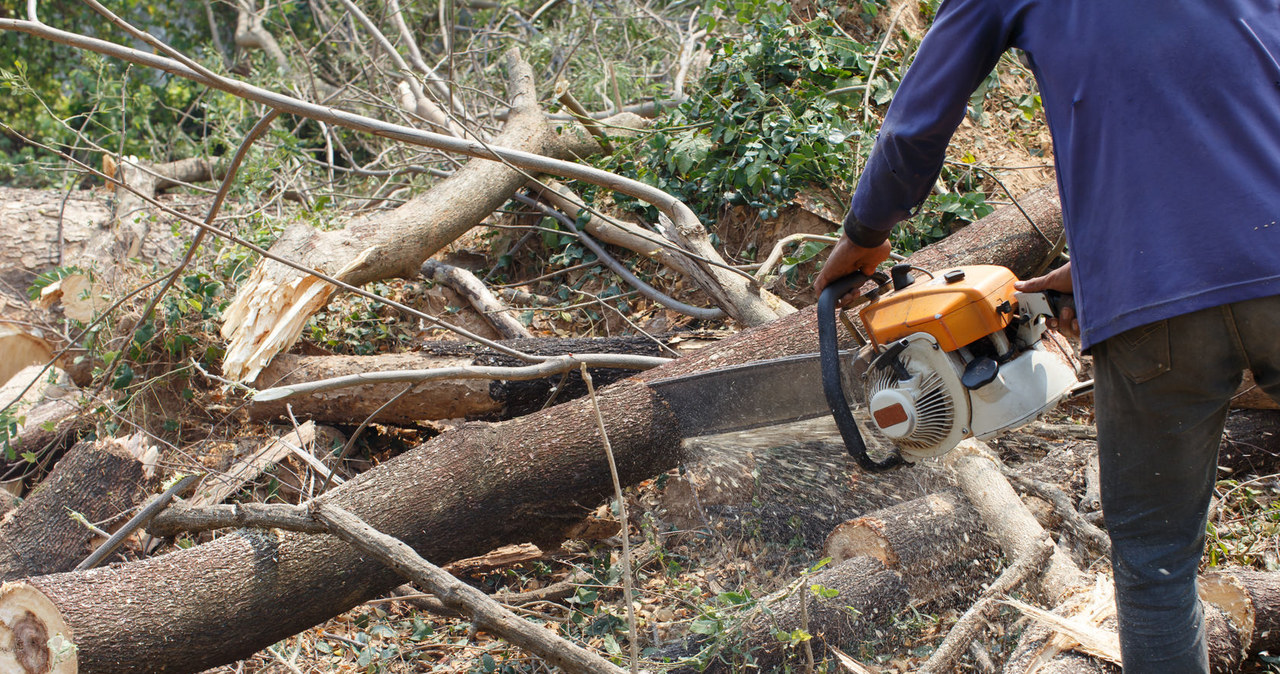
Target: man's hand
x=847, y=257
x=1060, y=280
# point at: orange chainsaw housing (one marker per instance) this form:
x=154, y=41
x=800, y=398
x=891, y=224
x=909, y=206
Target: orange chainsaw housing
x=957, y=307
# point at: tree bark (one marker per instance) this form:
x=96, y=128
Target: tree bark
x=450, y=399
x=42, y=229
x=917, y=537
x=459, y=495
x=1251, y=600
x=867, y=595
x=97, y=479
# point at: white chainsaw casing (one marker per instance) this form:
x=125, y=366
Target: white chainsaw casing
x=930, y=412
x=1031, y=383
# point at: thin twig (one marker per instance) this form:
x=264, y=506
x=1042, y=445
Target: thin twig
x=351, y=441
x=620, y=269
x=622, y=514
x=150, y=510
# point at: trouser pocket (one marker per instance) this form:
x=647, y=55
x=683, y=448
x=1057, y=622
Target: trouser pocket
x=1141, y=354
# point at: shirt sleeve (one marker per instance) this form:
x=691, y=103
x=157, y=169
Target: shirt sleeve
x=963, y=45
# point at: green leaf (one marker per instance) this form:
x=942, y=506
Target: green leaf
x=705, y=626
x=124, y=377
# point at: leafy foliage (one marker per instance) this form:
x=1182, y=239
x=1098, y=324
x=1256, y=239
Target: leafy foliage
x=762, y=124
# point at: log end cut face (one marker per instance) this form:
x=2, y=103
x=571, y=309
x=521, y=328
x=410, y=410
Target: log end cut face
x=34, y=639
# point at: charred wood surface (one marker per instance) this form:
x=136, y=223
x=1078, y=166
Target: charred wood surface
x=452, y=399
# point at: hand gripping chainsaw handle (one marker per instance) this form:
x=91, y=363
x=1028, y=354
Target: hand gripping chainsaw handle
x=829, y=356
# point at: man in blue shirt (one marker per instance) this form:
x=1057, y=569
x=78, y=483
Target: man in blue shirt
x=1165, y=116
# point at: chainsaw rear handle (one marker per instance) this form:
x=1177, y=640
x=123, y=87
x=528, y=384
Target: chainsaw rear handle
x=832, y=387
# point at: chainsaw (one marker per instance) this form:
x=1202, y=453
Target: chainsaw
x=955, y=355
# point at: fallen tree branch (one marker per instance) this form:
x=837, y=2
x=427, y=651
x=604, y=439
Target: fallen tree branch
x=485, y=612
x=474, y=291
x=979, y=476
x=148, y=511
x=621, y=270
x=553, y=365
x=970, y=625
x=457, y=398
x=461, y=494
x=1095, y=538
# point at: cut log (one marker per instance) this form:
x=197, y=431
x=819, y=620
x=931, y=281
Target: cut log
x=916, y=537
x=1251, y=600
x=856, y=597
x=459, y=495
x=905, y=535
x=41, y=643
x=449, y=399
x=20, y=347
x=42, y=229
x=99, y=480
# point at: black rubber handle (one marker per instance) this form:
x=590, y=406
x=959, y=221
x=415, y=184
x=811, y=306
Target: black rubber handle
x=832, y=386
x=1059, y=301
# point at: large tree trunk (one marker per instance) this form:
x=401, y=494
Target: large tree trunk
x=450, y=398
x=96, y=479
x=459, y=495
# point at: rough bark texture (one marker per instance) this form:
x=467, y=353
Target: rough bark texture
x=868, y=595
x=916, y=538
x=29, y=229
x=905, y=535
x=454, y=399
x=97, y=479
x=466, y=492
x=461, y=494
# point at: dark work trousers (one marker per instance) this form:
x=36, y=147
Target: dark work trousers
x=1161, y=395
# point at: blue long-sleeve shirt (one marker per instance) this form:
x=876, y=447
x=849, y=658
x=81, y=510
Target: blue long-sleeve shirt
x=1165, y=116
